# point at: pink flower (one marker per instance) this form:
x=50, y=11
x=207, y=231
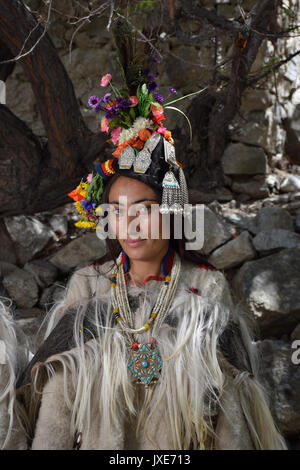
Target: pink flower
x=157, y=110
x=115, y=135
x=134, y=100
x=105, y=79
x=89, y=177
x=104, y=125
x=161, y=130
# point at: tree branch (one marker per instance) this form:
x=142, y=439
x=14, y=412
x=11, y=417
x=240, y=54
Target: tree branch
x=276, y=66
x=70, y=143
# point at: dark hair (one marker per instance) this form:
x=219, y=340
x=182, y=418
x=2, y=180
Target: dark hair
x=113, y=247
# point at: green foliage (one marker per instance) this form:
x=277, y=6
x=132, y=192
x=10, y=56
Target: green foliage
x=145, y=100
x=95, y=189
x=271, y=62
x=144, y=4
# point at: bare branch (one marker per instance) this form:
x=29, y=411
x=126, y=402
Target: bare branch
x=20, y=55
x=112, y=6
x=154, y=49
x=257, y=78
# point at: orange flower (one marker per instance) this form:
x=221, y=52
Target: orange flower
x=144, y=134
x=119, y=149
x=76, y=195
x=139, y=144
x=168, y=135
x=158, y=119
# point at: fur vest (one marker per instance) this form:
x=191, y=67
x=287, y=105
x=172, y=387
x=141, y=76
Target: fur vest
x=207, y=396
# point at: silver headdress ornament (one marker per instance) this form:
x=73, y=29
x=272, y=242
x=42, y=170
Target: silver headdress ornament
x=175, y=194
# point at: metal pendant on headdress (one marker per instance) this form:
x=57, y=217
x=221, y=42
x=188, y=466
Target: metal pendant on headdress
x=143, y=158
x=126, y=158
x=171, y=197
x=175, y=195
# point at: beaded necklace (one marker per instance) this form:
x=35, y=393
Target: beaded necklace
x=145, y=363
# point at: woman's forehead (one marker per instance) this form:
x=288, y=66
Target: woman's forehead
x=131, y=188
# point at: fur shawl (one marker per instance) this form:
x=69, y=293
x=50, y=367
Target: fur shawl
x=207, y=396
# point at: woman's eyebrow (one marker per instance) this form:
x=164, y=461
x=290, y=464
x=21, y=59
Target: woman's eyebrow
x=135, y=202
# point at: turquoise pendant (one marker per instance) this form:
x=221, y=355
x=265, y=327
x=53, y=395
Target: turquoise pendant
x=145, y=364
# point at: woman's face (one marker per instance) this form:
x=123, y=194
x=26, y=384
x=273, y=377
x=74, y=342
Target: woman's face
x=135, y=219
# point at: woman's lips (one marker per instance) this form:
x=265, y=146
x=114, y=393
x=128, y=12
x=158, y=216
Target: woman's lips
x=135, y=242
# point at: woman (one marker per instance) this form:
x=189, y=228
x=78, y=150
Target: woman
x=148, y=349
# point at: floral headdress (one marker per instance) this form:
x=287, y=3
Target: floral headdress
x=134, y=119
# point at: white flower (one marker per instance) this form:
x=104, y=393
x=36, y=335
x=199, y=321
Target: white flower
x=139, y=124
x=144, y=89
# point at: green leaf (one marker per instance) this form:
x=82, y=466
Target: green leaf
x=132, y=114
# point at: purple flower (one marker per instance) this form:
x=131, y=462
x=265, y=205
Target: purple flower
x=111, y=113
x=88, y=205
x=151, y=77
x=155, y=59
x=124, y=104
x=158, y=98
x=173, y=91
x=98, y=108
x=106, y=98
x=152, y=86
x=94, y=101
x=145, y=72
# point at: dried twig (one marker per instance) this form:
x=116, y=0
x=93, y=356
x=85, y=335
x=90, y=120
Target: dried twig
x=20, y=55
x=112, y=6
x=153, y=48
x=272, y=68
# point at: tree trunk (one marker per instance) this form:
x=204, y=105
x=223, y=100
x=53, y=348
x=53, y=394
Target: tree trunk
x=37, y=176
x=212, y=112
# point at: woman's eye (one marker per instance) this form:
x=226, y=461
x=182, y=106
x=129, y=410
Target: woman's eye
x=116, y=210
x=144, y=210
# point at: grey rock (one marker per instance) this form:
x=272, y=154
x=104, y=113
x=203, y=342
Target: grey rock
x=59, y=224
x=233, y=253
x=255, y=189
x=290, y=184
x=296, y=333
x=78, y=252
x=292, y=69
x=21, y=313
x=292, y=128
x=281, y=379
x=251, y=133
x=19, y=284
x=51, y=295
x=240, y=159
x=239, y=219
x=30, y=328
x=272, y=217
x=215, y=231
x=29, y=232
x=45, y=273
x=297, y=221
x=255, y=100
x=273, y=181
x=270, y=287
x=275, y=239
